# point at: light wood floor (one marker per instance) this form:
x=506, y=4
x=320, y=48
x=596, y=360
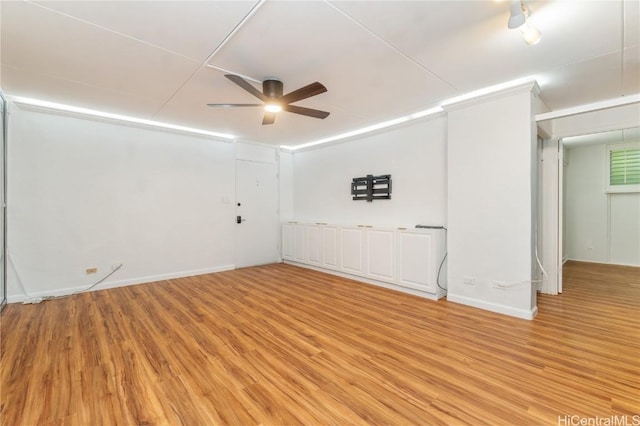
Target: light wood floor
x=284, y=345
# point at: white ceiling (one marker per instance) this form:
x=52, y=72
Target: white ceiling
x=379, y=60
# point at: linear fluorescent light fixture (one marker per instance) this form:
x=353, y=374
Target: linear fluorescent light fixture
x=117, y=117
x=419, y=114
x=368, y=129
x=490, y=89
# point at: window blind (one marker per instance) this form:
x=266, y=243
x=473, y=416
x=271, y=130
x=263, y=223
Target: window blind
x=624, y=166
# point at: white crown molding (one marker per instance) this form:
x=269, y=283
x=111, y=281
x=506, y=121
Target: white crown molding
x=528, y=86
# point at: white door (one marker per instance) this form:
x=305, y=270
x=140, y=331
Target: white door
x=258, y=223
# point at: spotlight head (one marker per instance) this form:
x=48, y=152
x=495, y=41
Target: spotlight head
x=517, y=18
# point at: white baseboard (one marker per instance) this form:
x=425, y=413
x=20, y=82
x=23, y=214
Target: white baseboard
x=19, y=298
x=493, y=307
x=602, y=263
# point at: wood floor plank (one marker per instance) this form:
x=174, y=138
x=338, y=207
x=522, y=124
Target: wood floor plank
x=278, y=344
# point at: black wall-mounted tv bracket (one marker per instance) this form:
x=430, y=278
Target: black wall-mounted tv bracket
x=371, y=188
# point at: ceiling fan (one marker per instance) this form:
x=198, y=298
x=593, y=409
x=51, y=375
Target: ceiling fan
x=275, y=101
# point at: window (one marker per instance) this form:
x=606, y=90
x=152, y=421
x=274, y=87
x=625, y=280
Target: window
x=623, y=167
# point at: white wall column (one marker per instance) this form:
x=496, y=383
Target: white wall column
x=492, y=179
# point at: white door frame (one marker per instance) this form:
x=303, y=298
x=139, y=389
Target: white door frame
x=620, y=113
x=551, y=220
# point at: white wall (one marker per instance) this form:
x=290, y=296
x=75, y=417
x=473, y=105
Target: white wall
x=415, y=157
x=601, y=227
x=586, y=204
x=491, y=179
x=85, y=193
x=285, y=172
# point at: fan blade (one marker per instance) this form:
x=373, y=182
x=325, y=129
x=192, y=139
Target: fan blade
x=303, y=93
x=315, y=113
x=269, y=118
x=246, y=86
x=233, y=105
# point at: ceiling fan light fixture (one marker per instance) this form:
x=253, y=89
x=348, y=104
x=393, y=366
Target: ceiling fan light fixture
x=273, y=99
x=272, y=107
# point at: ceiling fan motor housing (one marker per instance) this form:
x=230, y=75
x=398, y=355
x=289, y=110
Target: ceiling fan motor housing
x=272, y=88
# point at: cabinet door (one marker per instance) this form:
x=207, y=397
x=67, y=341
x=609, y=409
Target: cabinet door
x=288, y=233
x=300, y=243
x=381, y=254
x=314, y=245
x=352, y=248
x=416, y=261
x=330, y=247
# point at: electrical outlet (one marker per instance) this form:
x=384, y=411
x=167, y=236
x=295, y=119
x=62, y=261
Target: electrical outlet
x=469, y=280
x=91, y=271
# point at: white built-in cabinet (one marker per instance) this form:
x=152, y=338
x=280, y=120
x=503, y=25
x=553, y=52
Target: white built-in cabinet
x=413, y=249
x=300, y=243
x=381, y=254
x=352, y=250
x=288, y=233
x=330, y=243
x=314, y=245
x=406, y=259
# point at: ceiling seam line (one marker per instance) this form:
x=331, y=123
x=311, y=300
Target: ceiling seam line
x=226, y=71
x=590, y=58
x=75, y=18
x=204, y=63
x=395, y=49
x=82, y=83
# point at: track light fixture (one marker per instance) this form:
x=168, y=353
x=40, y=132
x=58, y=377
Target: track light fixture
x=519, y=19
